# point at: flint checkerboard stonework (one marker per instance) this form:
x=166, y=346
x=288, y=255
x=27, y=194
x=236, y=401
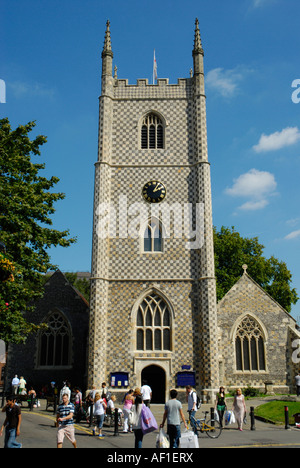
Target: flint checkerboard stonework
x=121, y=270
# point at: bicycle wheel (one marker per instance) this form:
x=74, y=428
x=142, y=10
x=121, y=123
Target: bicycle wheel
x=212, y=428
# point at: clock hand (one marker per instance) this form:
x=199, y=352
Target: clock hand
x=156, y=188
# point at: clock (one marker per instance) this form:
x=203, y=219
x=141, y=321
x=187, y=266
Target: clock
x=154, y=191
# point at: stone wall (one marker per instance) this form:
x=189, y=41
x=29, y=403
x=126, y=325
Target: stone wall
x=247, y=299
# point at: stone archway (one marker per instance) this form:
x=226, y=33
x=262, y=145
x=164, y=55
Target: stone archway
x=155, y=377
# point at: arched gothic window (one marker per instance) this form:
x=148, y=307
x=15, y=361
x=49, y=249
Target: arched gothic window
x=153, y=325
x=152, y=132
x=153, y=236
x=249, y=346
x=54, y=342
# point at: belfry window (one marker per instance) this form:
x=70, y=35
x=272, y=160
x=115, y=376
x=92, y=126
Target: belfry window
x=153, y=325
x=54, y=342
x=152, y=132
x=153, y=236
x=250, y=347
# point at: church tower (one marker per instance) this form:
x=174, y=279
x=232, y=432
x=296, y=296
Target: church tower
x=153, y=309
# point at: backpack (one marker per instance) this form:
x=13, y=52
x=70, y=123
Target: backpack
x=199, y=401
x=106, y=395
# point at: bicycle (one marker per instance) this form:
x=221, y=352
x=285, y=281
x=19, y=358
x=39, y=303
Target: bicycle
x=212, y=428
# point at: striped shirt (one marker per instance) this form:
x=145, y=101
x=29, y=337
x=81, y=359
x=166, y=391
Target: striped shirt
x=65, y=410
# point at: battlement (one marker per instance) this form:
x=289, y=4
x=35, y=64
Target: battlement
x=163, y=88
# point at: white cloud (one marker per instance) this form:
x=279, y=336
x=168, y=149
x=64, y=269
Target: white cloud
x=287, y=137
x=21, y=89
x=262, y=3
x=293, y=222
x=226, y=82
x=293, y=235
x=254, y=205
x=255, y=185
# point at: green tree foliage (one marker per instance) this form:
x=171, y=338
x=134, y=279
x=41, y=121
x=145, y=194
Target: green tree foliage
x=26, y=206
x=232, y=251
x=81, y=284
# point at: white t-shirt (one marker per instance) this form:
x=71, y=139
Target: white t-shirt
x=192, y=398
x=111, y=405
x=146, y=392
x=98, y=408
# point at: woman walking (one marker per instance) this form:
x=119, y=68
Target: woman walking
x=99, y=409
x=129, y=401
x=220, y=405
x=239, y=408
x=137, y=418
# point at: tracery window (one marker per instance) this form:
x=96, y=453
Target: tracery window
x=153, y=236
x=153, y=325
x=54, y=342
x=152, y=132
x=249, y=346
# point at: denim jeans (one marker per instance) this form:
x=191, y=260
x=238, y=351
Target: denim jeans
x=10, y=439
x=174, y=433
x=138, y=438
x=192, y=413
x=100, y=419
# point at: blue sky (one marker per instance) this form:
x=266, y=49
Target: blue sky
x=51, y=65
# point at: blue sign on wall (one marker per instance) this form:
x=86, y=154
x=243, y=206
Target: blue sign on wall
x=119, y=379
x=186, y=378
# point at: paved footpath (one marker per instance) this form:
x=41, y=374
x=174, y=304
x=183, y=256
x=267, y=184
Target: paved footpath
x=38, y=431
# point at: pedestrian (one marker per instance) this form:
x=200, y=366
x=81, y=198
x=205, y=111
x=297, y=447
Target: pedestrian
x=239, y=408
x=146, y=393
x=104, y=390
x=137, y=419
x=220, y=405
x=92, y=394
x=99, y=413
x=297, y=379
x=111, y=404
x=22, y=386
x=15, y=385
x=173, y=413
x=129, y=401
x=65, y=390
x=32, y=398
x=53, y=389
x=65, y=422
x=12, y=423
x=191, y=397
x=78, y=404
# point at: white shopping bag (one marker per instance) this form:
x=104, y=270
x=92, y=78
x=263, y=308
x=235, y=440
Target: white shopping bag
x=162, y=440
x=228, y=417
x=189, y=440
x=232, y=418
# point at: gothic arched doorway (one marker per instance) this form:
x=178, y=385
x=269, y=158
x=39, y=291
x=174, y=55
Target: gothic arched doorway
x=155, y=377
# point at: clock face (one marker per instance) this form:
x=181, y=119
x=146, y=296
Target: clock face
x=154, y=191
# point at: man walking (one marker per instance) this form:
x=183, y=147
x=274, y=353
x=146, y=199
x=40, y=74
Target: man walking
x=173, y=412
x=191, y=397
x=12, y=423
x=15, y=385
x=65, y=422
x=146, y=392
